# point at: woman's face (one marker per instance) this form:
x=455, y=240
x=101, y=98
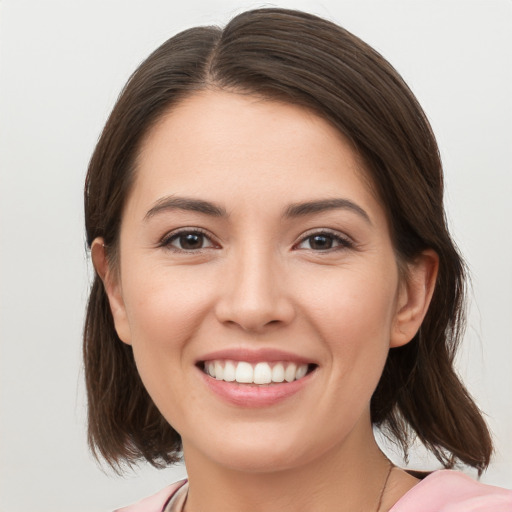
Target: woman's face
x=251, y=248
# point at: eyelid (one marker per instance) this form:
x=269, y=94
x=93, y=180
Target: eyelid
x=168, y=237
x=345, y=241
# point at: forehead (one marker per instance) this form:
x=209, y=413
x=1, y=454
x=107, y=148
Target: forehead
x=222, y=146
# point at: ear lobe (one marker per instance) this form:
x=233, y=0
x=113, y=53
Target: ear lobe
x=414, y=297
x=113, y=289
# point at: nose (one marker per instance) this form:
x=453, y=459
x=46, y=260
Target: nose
x=255, y=296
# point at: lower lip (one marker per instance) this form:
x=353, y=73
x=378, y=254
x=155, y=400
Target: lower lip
x=255, y=395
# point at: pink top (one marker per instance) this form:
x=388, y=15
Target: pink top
x=451, y=491
x=441, y=491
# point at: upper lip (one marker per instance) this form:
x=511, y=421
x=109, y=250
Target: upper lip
x=255, y=355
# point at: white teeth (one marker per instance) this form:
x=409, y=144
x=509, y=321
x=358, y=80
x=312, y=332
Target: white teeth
x=219, y=371
x=301, y=371
x=278, y=373
x=261, y=373
x=229, y=371
x=290, y=372
x=244, y=373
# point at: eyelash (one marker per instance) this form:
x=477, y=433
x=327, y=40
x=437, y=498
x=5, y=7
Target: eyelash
x=175, y=235
x=343, y=242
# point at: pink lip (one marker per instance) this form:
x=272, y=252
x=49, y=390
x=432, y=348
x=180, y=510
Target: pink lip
x=254, y=356
x=254, y=395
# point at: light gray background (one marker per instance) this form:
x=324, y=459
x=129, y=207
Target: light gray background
x=62, y=66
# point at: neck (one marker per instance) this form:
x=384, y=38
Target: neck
x=349, y=477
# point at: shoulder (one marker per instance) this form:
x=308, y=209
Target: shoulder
x=155, y=503
x=452, y=491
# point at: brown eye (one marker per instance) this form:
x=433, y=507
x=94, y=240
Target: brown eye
x=188, y=241
x=324, y=242
x=321, y=242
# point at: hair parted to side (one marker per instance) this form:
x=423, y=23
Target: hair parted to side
x=298, y=58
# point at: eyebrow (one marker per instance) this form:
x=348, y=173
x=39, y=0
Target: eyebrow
x=170, y=203
x=185, y=203
x=311, y=207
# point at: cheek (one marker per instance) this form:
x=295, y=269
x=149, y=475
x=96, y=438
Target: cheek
x=359, y=302
x=164, y=304
x=353, y=312
x=355, y=324
x=165, y=312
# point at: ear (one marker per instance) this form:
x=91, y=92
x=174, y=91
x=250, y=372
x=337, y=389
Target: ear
x=112, y=285
x=414, y=297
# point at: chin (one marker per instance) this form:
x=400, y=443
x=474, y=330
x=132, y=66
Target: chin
x=261, y=452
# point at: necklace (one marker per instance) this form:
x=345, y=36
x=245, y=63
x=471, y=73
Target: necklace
x=177, y=504
x=381, y=495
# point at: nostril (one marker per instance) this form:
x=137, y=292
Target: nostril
x=254, y=307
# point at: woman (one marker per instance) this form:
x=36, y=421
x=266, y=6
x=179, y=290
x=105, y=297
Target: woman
x=275, y=278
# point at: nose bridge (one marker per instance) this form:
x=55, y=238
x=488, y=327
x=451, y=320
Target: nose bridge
x=254, y=296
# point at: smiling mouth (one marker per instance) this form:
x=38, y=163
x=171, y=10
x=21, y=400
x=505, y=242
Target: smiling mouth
x=261, y=373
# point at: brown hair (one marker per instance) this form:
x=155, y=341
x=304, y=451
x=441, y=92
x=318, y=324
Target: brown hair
x=301, y=59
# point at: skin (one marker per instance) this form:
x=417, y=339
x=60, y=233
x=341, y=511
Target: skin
x=341, y=308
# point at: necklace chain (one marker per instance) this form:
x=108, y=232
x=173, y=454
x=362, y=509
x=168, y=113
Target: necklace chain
x=379, y=504
x=381, y=495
